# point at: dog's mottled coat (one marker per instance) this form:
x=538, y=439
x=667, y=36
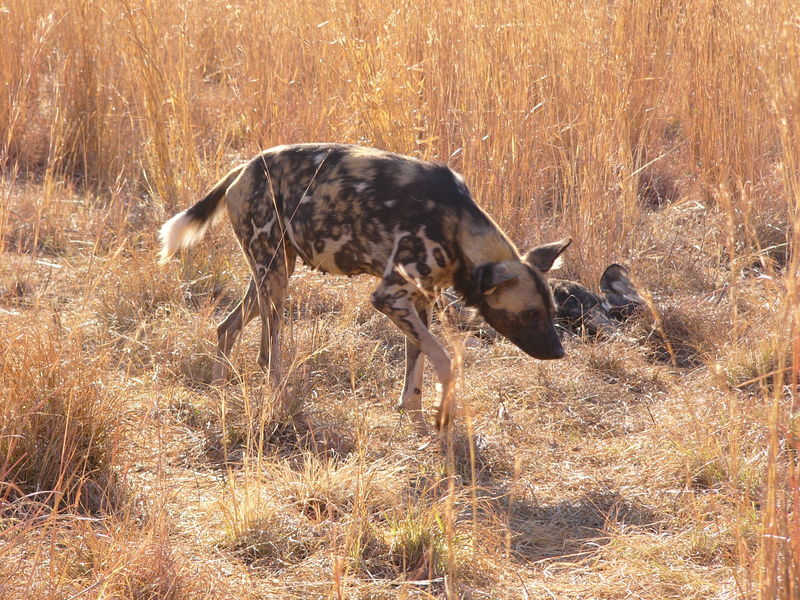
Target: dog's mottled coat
x=350, y=210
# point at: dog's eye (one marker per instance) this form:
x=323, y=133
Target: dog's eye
x=533, y=315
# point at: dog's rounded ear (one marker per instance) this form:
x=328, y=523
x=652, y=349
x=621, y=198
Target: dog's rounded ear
x=620, y=293
x=615, y=279
x=546, y=257
x=491, y=276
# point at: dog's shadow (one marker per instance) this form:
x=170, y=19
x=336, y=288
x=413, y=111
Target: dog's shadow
x=567, y=530
x=572, y=530
x=302, y=433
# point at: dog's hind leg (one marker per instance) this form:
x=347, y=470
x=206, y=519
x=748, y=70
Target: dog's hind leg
x=228, y=331
x=272, y=284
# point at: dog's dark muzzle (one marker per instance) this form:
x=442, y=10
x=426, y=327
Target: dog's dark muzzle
x=544, y=345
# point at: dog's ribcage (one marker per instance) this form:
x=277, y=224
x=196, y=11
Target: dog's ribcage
x=349, y=211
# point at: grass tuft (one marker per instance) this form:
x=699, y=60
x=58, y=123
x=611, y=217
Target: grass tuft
x=59, y=420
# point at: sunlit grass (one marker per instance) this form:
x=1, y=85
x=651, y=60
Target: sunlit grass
x=662, y=463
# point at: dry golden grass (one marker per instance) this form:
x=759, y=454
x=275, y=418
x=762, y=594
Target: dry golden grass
x=661, y=463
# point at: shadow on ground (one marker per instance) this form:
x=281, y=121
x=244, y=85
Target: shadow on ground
x=568, y=530
x=571, y=530
x=226, y=446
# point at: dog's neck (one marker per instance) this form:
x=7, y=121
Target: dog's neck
x=480, y=243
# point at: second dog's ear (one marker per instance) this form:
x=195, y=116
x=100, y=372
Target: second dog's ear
x=491, y=276
x=621, y=295
x=615, y=280
x=546, y=257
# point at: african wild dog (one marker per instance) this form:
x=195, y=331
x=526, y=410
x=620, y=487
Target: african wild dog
x=583, y=311
x=579, y=310
x=349, y=210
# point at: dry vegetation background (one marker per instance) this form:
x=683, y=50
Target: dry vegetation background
x=661, y=463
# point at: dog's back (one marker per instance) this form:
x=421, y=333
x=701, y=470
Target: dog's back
x=344, y=208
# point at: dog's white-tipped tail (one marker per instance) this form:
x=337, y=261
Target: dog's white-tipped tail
x=181, y=231
x=188, y=226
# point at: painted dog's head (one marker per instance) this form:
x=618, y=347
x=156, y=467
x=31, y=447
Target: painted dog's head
x=516, y=300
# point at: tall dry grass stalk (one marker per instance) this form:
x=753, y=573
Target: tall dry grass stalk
x=779, y=551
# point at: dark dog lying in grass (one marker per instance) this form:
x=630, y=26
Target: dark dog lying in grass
x=579, y=310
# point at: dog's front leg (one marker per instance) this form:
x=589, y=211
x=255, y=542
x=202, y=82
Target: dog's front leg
x=393, y=298
x=411, y=398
